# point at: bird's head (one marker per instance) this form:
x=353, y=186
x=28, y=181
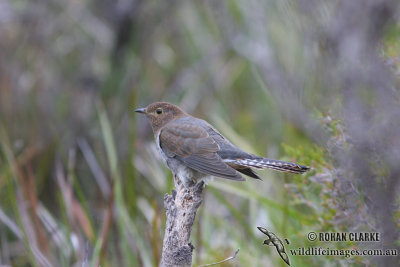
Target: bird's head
x=160, y=113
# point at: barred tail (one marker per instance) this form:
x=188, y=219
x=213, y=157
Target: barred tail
x=262, y=163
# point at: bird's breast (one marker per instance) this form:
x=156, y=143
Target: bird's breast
x=160, y=150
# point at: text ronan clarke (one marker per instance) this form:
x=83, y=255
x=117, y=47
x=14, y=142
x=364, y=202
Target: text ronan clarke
x=349, y=236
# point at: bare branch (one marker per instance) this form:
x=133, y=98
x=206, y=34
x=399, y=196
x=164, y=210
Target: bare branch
x=181, y=211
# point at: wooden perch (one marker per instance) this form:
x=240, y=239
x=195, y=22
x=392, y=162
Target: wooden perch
x=181, y=208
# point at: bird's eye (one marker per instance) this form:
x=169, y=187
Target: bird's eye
x=159, y=110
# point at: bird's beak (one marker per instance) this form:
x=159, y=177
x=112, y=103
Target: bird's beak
x=141, y=110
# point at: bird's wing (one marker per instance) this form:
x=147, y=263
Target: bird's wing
x=243, y=161
x=191, y=144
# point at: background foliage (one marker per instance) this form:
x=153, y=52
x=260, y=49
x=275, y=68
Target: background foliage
x=81, y=183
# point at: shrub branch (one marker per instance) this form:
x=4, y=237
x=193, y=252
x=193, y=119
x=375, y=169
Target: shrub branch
x=181, y=208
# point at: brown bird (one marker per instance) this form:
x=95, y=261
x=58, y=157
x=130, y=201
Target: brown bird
x=193, y=149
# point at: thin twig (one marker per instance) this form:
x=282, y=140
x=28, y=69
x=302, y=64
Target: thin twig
x=219, y=262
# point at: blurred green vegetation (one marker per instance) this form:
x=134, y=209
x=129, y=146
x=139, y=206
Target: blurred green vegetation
x=81, y=183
